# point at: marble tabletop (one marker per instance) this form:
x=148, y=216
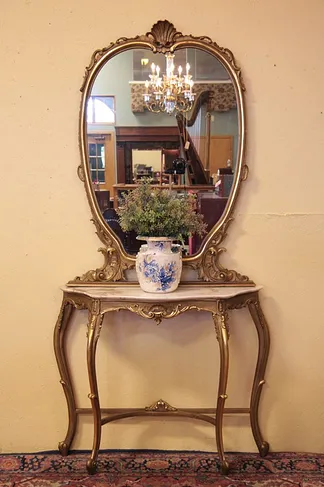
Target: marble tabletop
x=122, y=292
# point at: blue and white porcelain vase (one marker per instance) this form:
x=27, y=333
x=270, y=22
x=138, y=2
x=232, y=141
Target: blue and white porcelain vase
x=159, y=265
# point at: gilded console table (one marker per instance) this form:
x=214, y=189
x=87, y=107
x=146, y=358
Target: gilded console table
x=216, y=300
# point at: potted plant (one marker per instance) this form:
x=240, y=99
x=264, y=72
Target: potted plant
x=159, y=216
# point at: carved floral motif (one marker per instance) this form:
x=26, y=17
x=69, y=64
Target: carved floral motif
x=160, y=406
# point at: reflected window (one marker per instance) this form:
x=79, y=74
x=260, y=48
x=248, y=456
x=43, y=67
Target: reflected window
x=97, y=161
x=101, y=109
x=203, y=65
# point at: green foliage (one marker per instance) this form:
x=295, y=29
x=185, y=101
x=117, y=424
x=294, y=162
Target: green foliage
x=155, y=212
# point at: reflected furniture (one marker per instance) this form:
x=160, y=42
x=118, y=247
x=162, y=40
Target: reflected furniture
x=128, y=239
x=129, y=139
x=101, y=301
x=211, y=206
x=103, y=198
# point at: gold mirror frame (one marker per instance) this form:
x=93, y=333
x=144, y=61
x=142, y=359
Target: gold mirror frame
x=163, y=38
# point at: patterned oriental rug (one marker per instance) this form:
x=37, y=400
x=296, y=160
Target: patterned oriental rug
x=138, y=468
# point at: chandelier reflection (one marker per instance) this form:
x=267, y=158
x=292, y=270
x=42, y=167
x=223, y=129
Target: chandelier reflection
x=171, y=92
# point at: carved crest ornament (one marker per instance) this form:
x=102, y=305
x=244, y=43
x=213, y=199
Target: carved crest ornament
x=163, y=38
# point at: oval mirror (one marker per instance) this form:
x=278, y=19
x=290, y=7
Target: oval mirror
x=193, y=142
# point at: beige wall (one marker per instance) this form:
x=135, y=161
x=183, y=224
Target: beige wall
x=47, y=237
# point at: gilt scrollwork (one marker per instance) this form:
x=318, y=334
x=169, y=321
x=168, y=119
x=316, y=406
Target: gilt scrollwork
x=77, y=303
x=81, y=175
x=163, y=35
x=245, y=172
x=243, y=301
x=95, y=321
x=160, y=406
x=96, y=56
x=242, y=304
x=227, y=53
x=255, y=304
x=220, y=318
x=213, y=270
x=208, y=265
x=111, y=270
x=210, y=269
x=158, y=312
x=59, y=321
x=95, y=307
x=114, y=264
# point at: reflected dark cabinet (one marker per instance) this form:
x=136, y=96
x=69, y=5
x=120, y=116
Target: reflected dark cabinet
x=121, y=169
x=142, y=138
x=212, y=208
x=103, y=199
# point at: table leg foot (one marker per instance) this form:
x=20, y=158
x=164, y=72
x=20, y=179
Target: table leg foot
x=264, y=449
x=91, y=466
x=224, y=468
x=63, y=448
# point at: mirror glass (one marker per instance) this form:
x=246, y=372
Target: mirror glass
x=194, y=151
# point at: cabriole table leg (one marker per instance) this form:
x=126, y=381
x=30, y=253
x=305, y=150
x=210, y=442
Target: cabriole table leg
x=221, y=328
x=263, y=352
x=61, y=327
x=94, y=327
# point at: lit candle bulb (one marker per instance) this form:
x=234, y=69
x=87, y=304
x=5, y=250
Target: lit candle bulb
x=187, y=67
x=180, y=70
x=153, y=68
x=158, y=70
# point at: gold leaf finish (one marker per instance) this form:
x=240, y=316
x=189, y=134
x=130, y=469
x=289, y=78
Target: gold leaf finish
x=161, y=311
x=163, y=35
x=160, y=405
x=81, y=174
x=113, y=266
x=158, y=312
x=114, y=300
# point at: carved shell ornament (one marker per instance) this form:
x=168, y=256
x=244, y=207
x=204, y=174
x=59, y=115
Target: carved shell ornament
x=162, y=38
x=163, y=34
